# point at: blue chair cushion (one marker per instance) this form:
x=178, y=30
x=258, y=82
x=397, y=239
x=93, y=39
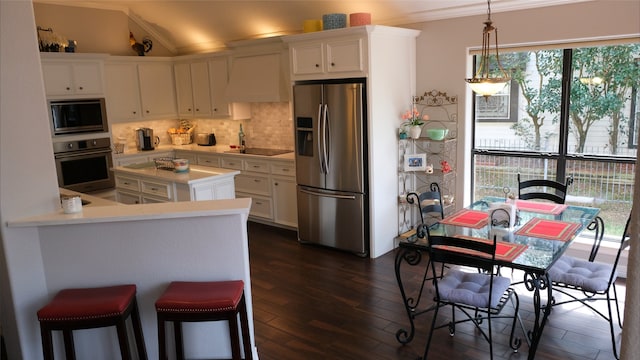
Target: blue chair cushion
x=590, y=276
x=471, y=288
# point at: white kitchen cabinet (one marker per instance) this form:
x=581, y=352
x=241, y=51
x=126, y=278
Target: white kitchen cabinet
x=122, y=160
x=126, y=197
x=258, y=77
x=123, y=92
x=253, y=184
x=193, y=90
x=218, y=80
x=261, y=207
x=269, y=182
x=283, y=193
x=149, y=185
x=189, y=155
x=335, y=58
x=76, y=78
x=139, y=90
x=157, y=90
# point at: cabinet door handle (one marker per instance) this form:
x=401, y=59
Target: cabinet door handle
x=81, y=88
x=257, y=180
x=333, y=64
x=257, y=166
x=285, y=170
x=317, y=65
x=68, y=88
x=276, y=184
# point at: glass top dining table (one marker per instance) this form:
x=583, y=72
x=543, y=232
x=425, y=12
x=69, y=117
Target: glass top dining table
x=540, y=234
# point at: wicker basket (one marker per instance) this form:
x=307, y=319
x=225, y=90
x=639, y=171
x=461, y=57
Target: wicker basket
x=182, y=139
x=164, y=163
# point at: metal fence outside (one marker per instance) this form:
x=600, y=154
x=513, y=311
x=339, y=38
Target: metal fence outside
x=608, y=186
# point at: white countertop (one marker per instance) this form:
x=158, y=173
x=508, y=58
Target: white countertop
x=93, y=200
x=136, y=212
x=217, y=149
x=195, y=174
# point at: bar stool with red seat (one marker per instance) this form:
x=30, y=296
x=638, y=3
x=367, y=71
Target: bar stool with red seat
x=204, y=301
x=88, y=308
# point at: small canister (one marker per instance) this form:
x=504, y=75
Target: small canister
x=71, y=204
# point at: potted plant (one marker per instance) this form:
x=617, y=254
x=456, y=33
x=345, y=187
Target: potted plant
x=412, y=123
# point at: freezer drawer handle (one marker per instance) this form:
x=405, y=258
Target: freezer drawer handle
x=348, y=197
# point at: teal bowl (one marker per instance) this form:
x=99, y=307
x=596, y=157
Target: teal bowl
x=437, y=134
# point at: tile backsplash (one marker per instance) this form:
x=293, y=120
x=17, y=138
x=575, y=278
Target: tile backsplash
x=270, y=126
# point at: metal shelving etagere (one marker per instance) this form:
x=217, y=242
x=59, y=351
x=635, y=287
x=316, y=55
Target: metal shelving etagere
x=443, y=112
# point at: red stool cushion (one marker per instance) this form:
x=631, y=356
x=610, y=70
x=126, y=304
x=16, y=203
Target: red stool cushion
x=88, y=303
x=212, y=296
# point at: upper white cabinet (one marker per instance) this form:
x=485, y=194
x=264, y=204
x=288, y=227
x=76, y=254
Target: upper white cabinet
x=333, y=58
x=68, y=76
x=259, y=72
x=157, y=90
x=193, y=89
x=218, y=80
x=123, y=92
x=138, y=89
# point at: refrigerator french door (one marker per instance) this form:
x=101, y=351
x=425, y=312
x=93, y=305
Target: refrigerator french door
x=331, y=164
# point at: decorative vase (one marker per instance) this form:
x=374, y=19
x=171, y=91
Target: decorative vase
x=415, y=131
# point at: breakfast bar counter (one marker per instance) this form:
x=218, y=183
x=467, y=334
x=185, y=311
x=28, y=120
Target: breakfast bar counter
x=148, y=245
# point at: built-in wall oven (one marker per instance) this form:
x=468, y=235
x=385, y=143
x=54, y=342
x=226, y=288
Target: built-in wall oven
x=84, y=165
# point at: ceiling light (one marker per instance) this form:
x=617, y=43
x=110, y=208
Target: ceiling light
x=484, y=83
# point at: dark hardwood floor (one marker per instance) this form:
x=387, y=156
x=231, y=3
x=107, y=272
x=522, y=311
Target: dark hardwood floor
x=311, y=303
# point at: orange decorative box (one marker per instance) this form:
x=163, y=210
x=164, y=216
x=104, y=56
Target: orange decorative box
x=359, y=19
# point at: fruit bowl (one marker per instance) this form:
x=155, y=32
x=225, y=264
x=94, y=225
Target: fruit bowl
x=181, y=165
x=437, y=134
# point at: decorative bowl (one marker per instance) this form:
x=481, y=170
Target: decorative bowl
x=437, y=134
x=181, y=165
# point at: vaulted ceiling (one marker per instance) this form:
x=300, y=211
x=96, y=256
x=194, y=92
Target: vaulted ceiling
x=188, y=26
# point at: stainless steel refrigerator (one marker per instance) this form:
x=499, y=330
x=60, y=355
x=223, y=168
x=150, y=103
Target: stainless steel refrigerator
x=331, y=164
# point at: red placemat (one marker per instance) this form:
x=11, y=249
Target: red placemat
x=467, y=218
x=549, y=229
x=540, y=207
x=505, y=251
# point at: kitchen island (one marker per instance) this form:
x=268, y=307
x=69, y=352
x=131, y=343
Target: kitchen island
x=148, y=245
x=144, y=183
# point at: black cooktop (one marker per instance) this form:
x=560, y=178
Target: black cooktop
x=261, y=151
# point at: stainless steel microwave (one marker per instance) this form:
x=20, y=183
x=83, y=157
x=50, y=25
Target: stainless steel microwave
x=78, y=116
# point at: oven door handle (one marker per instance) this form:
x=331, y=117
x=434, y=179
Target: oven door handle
x=82, y=153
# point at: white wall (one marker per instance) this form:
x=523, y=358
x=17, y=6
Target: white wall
x=28, y=183
x=443, y=61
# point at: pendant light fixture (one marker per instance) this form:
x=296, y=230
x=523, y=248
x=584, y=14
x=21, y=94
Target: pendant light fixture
x=483, y=82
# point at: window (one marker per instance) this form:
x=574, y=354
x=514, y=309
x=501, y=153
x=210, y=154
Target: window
x=571, y=112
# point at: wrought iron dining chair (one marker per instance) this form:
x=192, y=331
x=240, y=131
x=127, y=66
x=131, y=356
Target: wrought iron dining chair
x=479, y=296
x=431, y=210
x=544, y=189
x=429, y=204
x=587, y=281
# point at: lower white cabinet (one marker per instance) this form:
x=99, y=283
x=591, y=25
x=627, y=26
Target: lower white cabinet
x=285, y=210
x=122, y=160
x=133, y=186
x=270, y=183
